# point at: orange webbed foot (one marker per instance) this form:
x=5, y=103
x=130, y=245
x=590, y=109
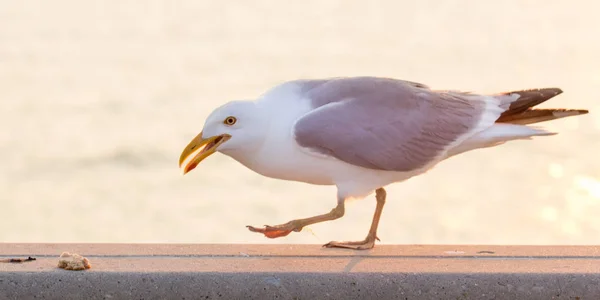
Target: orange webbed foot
x=271, y=231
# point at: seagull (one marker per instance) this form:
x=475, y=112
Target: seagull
x=361, y=134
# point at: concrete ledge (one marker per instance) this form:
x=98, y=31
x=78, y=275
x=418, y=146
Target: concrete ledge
x=173, y=271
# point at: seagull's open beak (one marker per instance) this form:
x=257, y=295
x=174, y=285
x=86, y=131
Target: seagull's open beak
x=202, y=148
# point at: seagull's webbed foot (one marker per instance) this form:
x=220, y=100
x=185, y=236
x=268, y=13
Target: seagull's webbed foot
x=297, y=225
x=275, y=231
x=365, y=244
x=369, y=241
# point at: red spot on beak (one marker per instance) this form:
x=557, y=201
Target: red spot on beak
x=191, y=166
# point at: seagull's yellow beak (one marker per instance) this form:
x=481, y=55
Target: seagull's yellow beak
x=200, y=148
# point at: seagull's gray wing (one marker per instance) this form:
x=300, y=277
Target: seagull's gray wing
x=386, y=124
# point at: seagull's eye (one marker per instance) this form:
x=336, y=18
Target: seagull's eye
x=229, y=121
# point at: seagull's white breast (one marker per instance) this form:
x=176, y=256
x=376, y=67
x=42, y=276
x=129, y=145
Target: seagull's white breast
x=280, y=156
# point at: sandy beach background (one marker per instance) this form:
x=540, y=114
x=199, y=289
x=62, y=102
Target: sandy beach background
x=98, y=98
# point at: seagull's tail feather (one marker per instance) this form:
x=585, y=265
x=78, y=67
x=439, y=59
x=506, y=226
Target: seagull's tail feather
x=499, y=134
x=519, y=105
x=518, y=112
x=519, y=101
x=531, y=116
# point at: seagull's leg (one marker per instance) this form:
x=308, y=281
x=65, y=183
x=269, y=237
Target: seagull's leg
x=297, y=225
x=369, y=241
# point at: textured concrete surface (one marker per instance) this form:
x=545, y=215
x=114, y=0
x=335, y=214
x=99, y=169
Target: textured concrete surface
x=185, y=271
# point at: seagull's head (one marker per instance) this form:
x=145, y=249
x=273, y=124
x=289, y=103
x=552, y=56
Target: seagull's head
x=233, y=127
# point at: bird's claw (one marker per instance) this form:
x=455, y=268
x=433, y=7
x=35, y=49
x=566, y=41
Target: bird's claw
x=270, y=231
x=362, y=245
x=365, y=244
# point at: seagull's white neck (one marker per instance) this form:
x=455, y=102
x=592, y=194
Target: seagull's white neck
x=274, y=152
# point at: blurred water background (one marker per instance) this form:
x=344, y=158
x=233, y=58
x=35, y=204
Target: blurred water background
x=98, y=98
